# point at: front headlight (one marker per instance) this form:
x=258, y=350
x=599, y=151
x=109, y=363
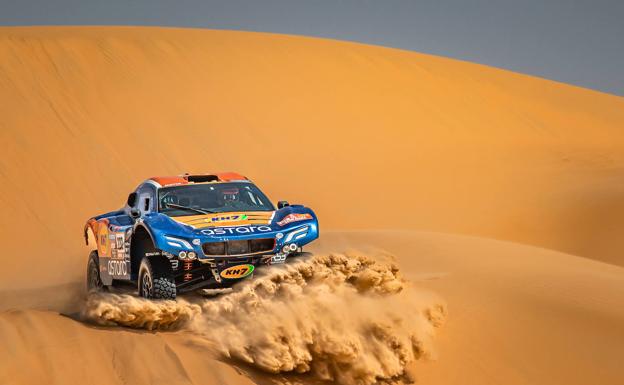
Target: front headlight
x=178, y=242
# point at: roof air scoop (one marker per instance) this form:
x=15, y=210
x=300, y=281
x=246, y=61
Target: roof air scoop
x=202, y=178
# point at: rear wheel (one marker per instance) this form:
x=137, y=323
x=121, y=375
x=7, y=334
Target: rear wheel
x=94, y=281
x=156, y=279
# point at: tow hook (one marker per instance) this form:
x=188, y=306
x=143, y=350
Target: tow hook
x=215, y=274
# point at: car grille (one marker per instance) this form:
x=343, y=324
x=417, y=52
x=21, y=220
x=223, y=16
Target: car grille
x=251, y=246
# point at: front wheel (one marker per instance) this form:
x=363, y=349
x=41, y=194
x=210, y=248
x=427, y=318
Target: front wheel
x=94, y=281
x=156, y=279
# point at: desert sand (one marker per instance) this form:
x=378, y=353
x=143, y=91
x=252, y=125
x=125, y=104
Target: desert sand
x=499, y=194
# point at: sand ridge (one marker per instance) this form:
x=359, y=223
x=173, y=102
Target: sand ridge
x=371, y=138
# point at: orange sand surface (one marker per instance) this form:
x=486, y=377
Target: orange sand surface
x=470, y=176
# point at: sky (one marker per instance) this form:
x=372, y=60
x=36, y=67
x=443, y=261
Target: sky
x=573, y=41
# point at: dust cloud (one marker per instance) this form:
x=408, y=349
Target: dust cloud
x=351, y=319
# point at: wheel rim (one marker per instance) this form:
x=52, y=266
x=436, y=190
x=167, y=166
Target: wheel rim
x=146, y=286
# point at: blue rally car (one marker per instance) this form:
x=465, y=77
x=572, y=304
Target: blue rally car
x=182, y=233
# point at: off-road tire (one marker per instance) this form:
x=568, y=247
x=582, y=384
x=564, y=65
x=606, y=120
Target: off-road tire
x=94, y=281
x=156, y=278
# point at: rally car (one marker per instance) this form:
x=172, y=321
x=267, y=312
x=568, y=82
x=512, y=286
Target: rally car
x=188, y=232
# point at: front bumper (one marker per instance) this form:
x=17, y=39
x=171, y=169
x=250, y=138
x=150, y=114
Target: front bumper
x=193, y=275
x=206, y=270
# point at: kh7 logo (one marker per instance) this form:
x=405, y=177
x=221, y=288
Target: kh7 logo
x=237, y=217
x=238, y=271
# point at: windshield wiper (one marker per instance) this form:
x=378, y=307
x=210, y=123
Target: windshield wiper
x=201, y=211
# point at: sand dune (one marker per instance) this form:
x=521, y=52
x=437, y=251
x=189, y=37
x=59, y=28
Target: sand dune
x=517, y=314
x=43, y=347
x=371, y=138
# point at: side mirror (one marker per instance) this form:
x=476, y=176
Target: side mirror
x=282, y=204
x=135, y=213
x=132, y=199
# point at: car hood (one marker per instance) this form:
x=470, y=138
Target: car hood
x=288, y=224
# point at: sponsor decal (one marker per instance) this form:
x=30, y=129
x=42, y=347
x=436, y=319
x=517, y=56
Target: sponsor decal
x=238, y=271
x=278, y=258
x=117, y=268
x=236, y=230
x=290, y=218
x=103, y=235
x=228, y=218
x=296, y=234
x=120, y=241
x=118, y=245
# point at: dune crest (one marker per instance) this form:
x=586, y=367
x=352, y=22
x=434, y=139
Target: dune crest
x=369, y=137
x=348, y=319
x=408, y=145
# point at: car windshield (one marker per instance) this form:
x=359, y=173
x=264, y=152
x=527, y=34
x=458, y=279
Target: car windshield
x=212, y=198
